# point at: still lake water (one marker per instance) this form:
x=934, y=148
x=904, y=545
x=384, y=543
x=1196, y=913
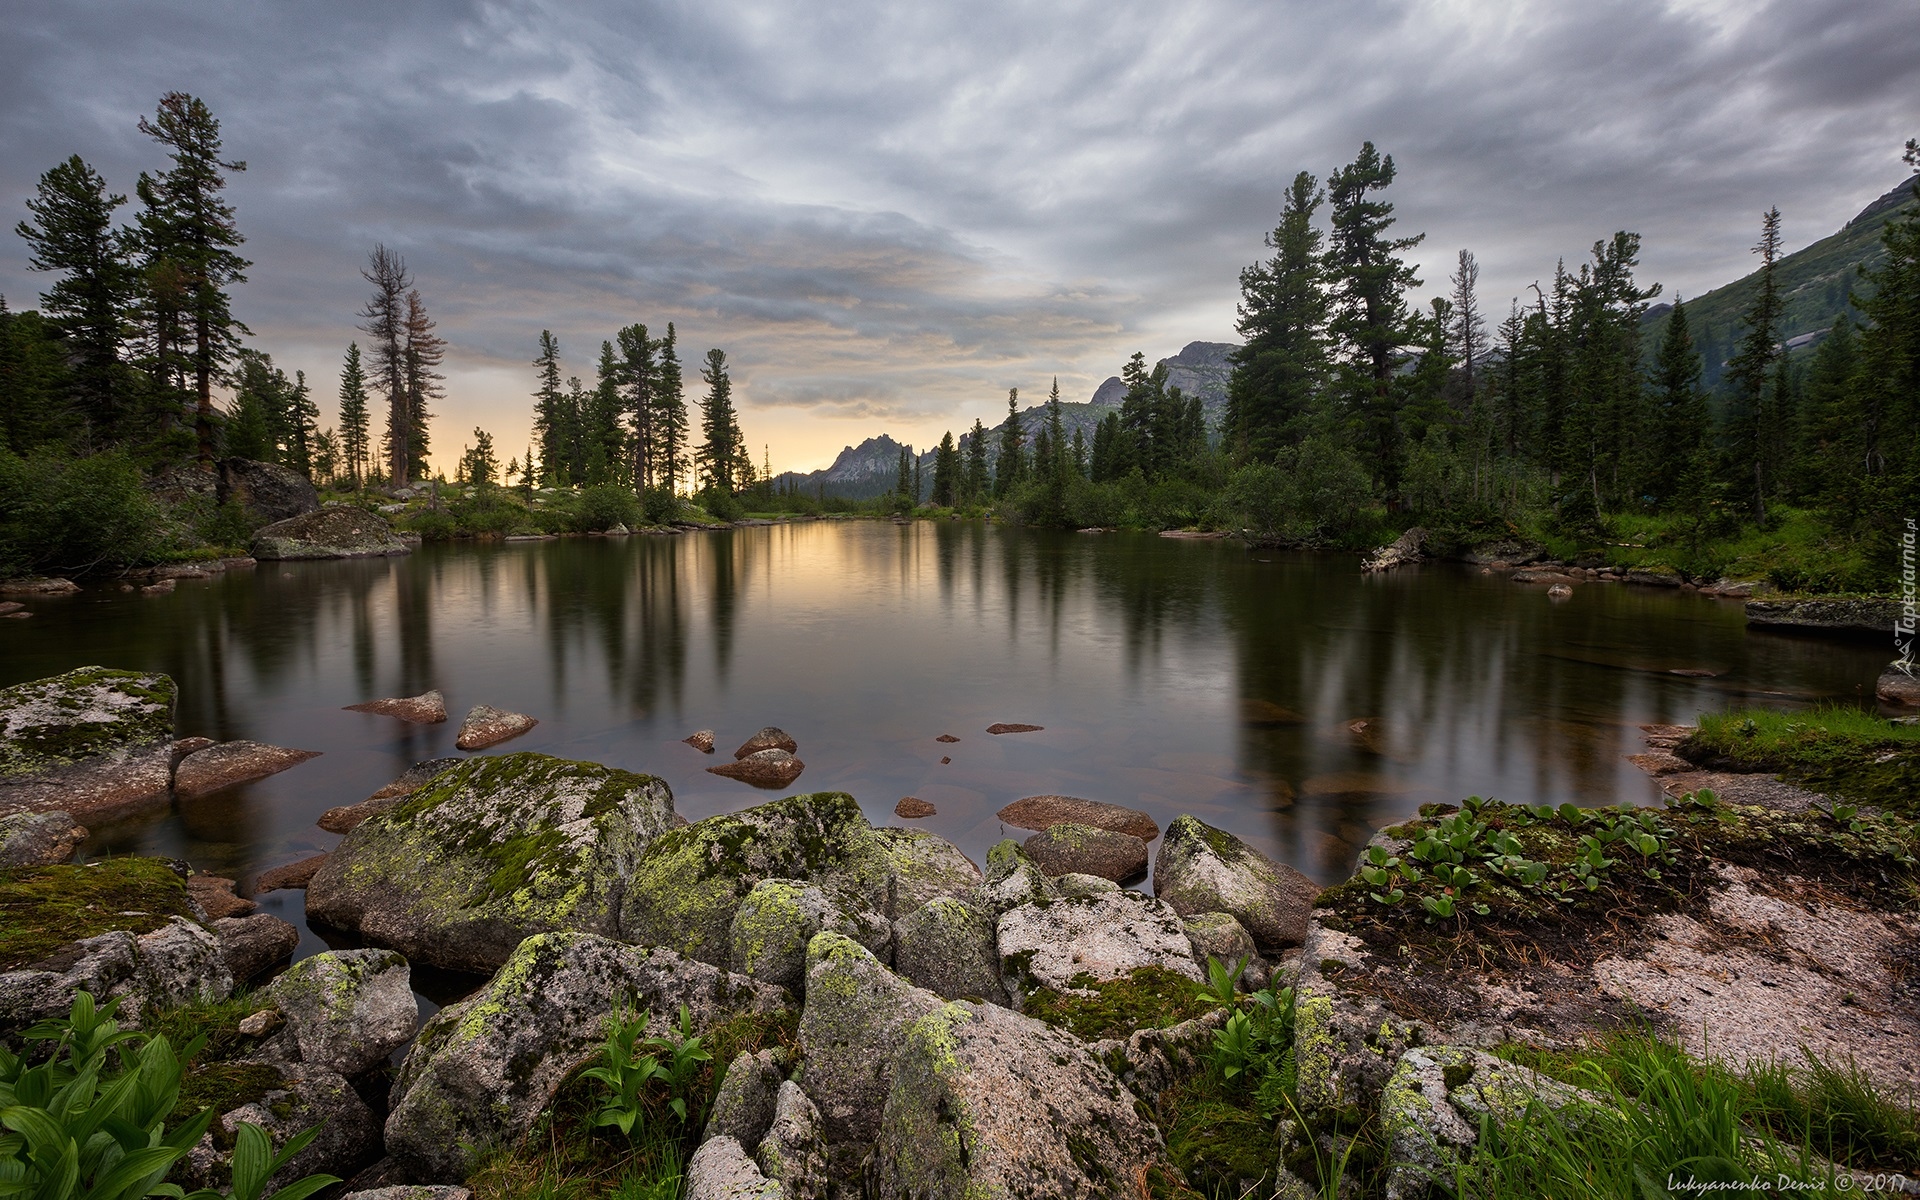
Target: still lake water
x=1174, y=676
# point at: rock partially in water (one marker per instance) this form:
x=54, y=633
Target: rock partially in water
x=251, y=946
x=701, y=740
x=30, y=839
x=292, y=877
x=482, y=1071
x=1897, y=685
x=344, y=532
x=1409, y=547
x=345, y=817
x=489, y=726
x=347, y=1010
x=770, y=738
x=1041, y=812
x=1101, y=936
x=1560, y=591
x=490, y=852
x=428, y=708
x=946, y=737
x=229, y=763
x=913, y=807
x=95, y=743
x=215, y=896
x=38, y=587
x=1835, y=616
x=983, y=1101
x=1201, y=869
x=1013, y=727
x=1072, y=848
x=764, y=769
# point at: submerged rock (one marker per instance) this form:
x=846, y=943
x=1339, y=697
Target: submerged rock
x=913, y=807
x=482, y=1071
x=1072, y=848
x=344, y=532
x=773, y=768
x=294, y=876
x=1201, y=869
x=96, y=743
x=216, y=897
x=347, y=1010
x=983, y=1101
x=1041, y=812
x=30, y=839
x=770, y=738
x=999, y=727
x=229, y=763
x=488, y=726
x=428, y=708
x=490, y=852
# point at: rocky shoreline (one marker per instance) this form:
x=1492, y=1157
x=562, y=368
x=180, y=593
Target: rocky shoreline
x=904, y=1022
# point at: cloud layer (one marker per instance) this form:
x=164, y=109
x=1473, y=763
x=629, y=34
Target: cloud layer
x=889, y=214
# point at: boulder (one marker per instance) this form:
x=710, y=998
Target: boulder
x=271, y=491
x=95, y=743
x=488, y=726
x=428, y=708
x=189, y=745
x=999, y=727
x=301, y=1097
x=793, y=1153
x=292, y=877
x=947, y=947
x=775, y=921
x=1153, y=1061
x=913, y=807
x=105, y=965
x=346, y=816
x=721, y=1170
x=348, y=1010
x=983, y=1101
x=38, y=839
x=1219, y=935
x=38, y=587
x=743, y=1108
x=344, y=532
x=229, y=763
x=701, y=741
x=688, y=885
x=1897, y=685
x=923, y=866
x=1042, y=812
x=770, y=738
x=1409, y=547
x=180, y=963
x=1201, y=869
x=1072, y=848
x=482, y=1071
x=490, y=852
x=1863, y=616
x=1099, y=937
x=773, y=768
x=250, y=946
x=414, y=1191
x=1013, y=879
x=215, y=896
x=1432, y=1105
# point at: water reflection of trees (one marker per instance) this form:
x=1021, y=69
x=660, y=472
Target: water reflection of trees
x=619, y=607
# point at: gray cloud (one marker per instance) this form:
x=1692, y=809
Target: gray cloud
x=891, y=213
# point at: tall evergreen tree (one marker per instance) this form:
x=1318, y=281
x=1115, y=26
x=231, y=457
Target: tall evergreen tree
x=670, y=416
x=903, y=485
x=1750, y=371
x=1467, y=334
x=303, y=416
x=1010, y=466
x=384, y=321
x=606, y=443
x=1888, y=392
x=640, y=377
x=33, y=404
x=720, y=431
x=354, y=444
x=72, y=233
x=1279, y=369
x=946, y=471
x=1679, y=406
x=186, y=224
x=549, y=414
x=975, y=485
x=257, y=424
x=424, y=352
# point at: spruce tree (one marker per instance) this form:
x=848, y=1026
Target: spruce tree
x=549, y=419
x=188, y=226
x=354, y=445
x=1010, y=466
x=424, y=351
x=640, y=380
x=1750, y=371
x=34, y=411
x=946, y=471
x=1368, y=317
x=1888, y=391
x=670, y=416
x=975, y=486
x=303, y=416
x=1279, y=369
x=1679, y=407
x=1467, y=332
x=384, y=321
x=903, y=485
x=720, y=432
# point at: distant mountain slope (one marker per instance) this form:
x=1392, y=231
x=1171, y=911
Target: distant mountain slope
x=1814, y=282
x=869, y=469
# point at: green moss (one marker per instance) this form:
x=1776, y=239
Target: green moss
x=223, y=1087
x=1216, y=1142
x=1841, y=752
x=47, y=908
x=58, y=741
x=216, y=1020
x=1144, y=998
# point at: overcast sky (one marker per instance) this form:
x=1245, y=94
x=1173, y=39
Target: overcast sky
x=887, y=215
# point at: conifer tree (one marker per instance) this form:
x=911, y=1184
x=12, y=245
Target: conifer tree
x=670, y=416
x=1750, y=371
x=975, y=486
x=33, y=406
x=606, y=443
x=186, y=225
x=903, y=485
x=549, y=414
x=1679, y=406
x=1279, y=369
x=353, y=416
x=303, y=416
x=424, y=351
x=1368, y=317
x=640, y=379
x=720, y=447
x=1888, y=399
x=384, y=321
x=1009, y=467
x=946, y=472
x=1467, y=333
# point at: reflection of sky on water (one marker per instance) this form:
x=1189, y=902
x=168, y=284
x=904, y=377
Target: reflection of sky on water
x=1284, y=697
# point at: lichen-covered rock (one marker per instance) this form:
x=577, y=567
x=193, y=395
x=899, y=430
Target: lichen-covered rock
x=490, y=852
x=1432, y=1104
x=428, y=708
x=486, y=726
x=778, y=917
x=1103, y=936
x=985, y=1102
x=105, y=965
x=947, y=946
x=855, y=1019
x=1040, y=812
x=95, y=743
x=38, y=839
x=743, y=1108
x=774, y=768
x=770, y=738
x=721, y=1170
x=1201, y=869
x=344, y=532
x=689, y=883
x=924, y=866
x=304, y=1097
x=1218, y=935
x=251, y=945
x=273, y=492
x=482, y=1071
x=792, y=1154
x=1345, y=1044
x=1075, y=887
x=228, y=763
x=1150, y=1061
x=1013, y=878
x=348, y=1009
x=180, y=963
x=346, y=816
x=1072, y=848
x=414, y=1191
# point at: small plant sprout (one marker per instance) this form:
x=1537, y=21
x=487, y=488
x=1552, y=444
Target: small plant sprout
x=1223, y=979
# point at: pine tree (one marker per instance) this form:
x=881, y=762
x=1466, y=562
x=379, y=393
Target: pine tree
x=1679, y=406
x=903, y=486
x=1279, y=369
x=1467, y=329
x=256, y=426
x=670, y=416
x=975, y=484
x=1888, y=391
x=606, y=442
x=33, y=407
x=303, y=417
x=72, y=233
x=479, y=466
x=384, y=321
x=720, y=446
x=1010, y=466
x=187, y=225
x=640, y=379
x=354, y=444
x=424, y=351
x=946, y=471
x=549, y=419
x=1749, y=371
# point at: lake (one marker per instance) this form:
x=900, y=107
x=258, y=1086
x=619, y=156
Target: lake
x=1285, y=697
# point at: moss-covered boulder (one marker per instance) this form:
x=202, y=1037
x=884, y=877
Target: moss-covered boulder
x=1201, y=869
x=1013, y=878
x=689, y=884
x=777, y=919
x=95, y=743
x=286, y=1099
x=743, y=1107
x=924, y=866
x=482, y=1071
x=1073, y=848
x=335, y=532
x=793, y=1154
x=1060, y=943
x=347, y=1010
x=985, y=1102
x=947, y=946
x=490, y=852
x=1432, y=1106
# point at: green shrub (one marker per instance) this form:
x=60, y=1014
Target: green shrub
x=660, y=506
x=433, y=524
x=603, y=506
x=72, y=515
x=719, y=505
x=489, y=511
